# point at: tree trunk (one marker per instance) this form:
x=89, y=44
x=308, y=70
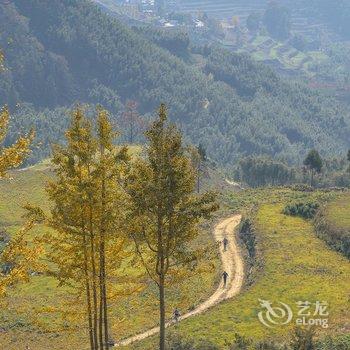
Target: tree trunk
x=94, y=276
x=103, y=293
x=104, y=298
x=88, y=297
x=100, y=323
x=101, y=305
x=198, y=178
x=162, y=313
x=131, y=130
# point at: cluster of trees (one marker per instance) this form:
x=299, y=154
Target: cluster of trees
x=103, y=203
x=175, y=41
x=263, y=171
x=276, y=19
x=258, y=172
x=268, y=105
x=236, y=107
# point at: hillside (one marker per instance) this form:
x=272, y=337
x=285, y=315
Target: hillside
x=290, y=264
x=60, y=52
x=288, y=257
x=44, y=315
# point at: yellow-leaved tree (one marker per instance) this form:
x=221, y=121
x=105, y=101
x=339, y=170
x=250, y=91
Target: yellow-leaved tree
x=18, y=257
x=88, y=217
x=165, y=211
x=13, y=155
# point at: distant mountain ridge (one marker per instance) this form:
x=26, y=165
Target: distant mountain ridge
x=62, y=51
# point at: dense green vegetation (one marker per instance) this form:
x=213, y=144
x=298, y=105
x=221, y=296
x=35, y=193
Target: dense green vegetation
x=316, y=172
x=277, y=20
x=305, y=210
x=299, y=340
x=258, y=172
x=58, y=53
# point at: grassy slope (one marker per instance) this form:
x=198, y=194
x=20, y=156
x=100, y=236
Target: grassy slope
x=37, y=306
x=333, y=224
x=297, y=267
x=338, y=212
x=261, y=53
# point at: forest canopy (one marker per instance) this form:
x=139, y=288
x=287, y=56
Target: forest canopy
x=61, y=52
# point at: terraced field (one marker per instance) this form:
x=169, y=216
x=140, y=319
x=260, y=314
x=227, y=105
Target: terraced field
x=280, y=55
x=222, y=8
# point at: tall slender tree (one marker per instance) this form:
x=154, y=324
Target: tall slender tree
x=87, y=216
x=131, y=120
x=165, y=211
x=314, y=164
x=198, y=157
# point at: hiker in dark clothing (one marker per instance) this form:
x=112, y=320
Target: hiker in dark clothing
x=225, y=275
x=225, y=243
x=176, y=315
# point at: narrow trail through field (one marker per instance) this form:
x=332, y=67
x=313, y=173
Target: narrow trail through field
x=231, y=262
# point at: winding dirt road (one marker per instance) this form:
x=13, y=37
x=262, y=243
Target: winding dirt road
x=232, y=263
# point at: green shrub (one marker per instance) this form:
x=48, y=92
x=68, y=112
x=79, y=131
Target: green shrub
x=246, y=233
x=339, y=343
x=241, y=343
x=304, y=210
x=303, y=339
x=302, y=188
x=176, y=342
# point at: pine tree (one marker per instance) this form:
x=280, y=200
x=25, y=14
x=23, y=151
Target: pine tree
x=165, y=211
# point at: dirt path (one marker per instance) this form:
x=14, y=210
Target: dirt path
x=232, y=263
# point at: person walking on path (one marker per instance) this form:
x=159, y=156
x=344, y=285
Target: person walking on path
x=176, y=315
x=225, y=275
x=225, y=243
